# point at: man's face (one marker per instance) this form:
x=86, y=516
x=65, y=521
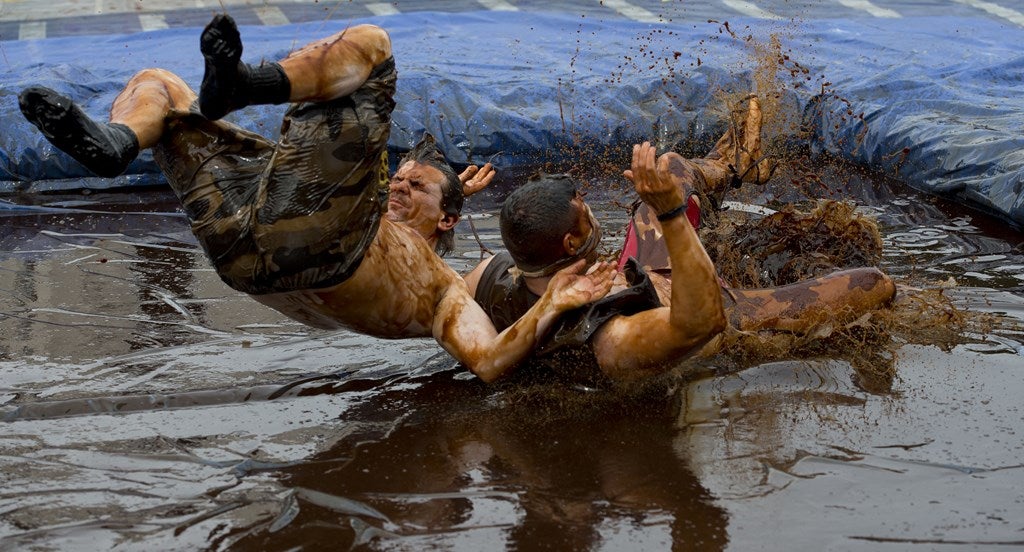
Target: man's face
x=585, y=228
x=415, y=199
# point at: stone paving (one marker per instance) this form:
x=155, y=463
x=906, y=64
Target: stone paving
x=34, y=19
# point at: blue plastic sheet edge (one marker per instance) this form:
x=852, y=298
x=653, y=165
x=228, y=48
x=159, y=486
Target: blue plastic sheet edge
x=938, y=101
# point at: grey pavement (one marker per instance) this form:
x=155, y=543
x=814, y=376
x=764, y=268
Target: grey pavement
x=34, y=19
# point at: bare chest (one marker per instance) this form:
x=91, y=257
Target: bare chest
x=393, y=294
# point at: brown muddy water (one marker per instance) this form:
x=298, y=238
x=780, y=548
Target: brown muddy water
x=146, y=406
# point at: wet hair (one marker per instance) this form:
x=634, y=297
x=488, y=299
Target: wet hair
x=535, y=218
x=425, y=152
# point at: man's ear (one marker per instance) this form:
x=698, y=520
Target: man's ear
x=571, y=244
x=447, y=222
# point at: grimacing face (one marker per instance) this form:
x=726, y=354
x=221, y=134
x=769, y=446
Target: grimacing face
x=415, y=199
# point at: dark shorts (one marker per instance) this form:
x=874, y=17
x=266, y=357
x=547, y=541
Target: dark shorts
x=296, y=214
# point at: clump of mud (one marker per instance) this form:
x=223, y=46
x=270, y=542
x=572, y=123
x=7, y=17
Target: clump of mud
x=790, y=245
x=870, y=343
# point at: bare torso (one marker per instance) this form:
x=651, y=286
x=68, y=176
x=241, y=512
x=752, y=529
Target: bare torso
x=393, y=294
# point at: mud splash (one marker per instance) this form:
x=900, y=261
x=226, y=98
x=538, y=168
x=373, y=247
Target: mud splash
x=791, y=245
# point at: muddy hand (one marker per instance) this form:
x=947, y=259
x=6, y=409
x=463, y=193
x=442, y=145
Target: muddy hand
x=570, y=289
x=740, y=147
x=661, y=182
x=476, y=178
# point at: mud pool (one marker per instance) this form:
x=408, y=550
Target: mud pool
x=146, y=406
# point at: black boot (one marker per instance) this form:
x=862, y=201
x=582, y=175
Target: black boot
x=105, y=149
x=229, y=84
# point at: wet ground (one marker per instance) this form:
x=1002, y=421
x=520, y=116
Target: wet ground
x=147, y=406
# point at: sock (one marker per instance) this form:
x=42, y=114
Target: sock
x=221, y=46
x=105, y=149
x=268, y=84
x=228, y=83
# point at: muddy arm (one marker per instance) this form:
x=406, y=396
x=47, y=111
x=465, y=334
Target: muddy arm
x=462, y=327
x=629, y=347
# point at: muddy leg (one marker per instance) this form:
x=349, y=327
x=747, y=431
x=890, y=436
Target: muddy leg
x=737, y=157
x=338, y=65
x=147, y=100
x=323, y=70
x=136, y=122
x=838, y=298
x=104, y=149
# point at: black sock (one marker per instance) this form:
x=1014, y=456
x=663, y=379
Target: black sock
x=268, y=84
x=223, y=87
x=230, y=84
x=105, y=149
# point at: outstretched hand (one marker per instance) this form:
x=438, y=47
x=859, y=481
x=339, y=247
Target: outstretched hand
x=662, y=182
x=570, y=289
x=476, y=178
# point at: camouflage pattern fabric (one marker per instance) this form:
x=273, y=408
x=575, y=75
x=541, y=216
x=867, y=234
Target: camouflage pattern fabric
x=296, y=214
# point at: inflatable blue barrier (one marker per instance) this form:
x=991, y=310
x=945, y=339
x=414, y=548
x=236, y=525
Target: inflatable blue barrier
x=938, y=100
x=942, y=101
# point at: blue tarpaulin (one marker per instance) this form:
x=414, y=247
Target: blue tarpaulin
x=940, y=100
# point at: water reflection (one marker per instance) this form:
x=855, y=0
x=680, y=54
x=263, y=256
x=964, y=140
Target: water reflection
x=467, y=465
x=163, y=292
x=90, y=285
